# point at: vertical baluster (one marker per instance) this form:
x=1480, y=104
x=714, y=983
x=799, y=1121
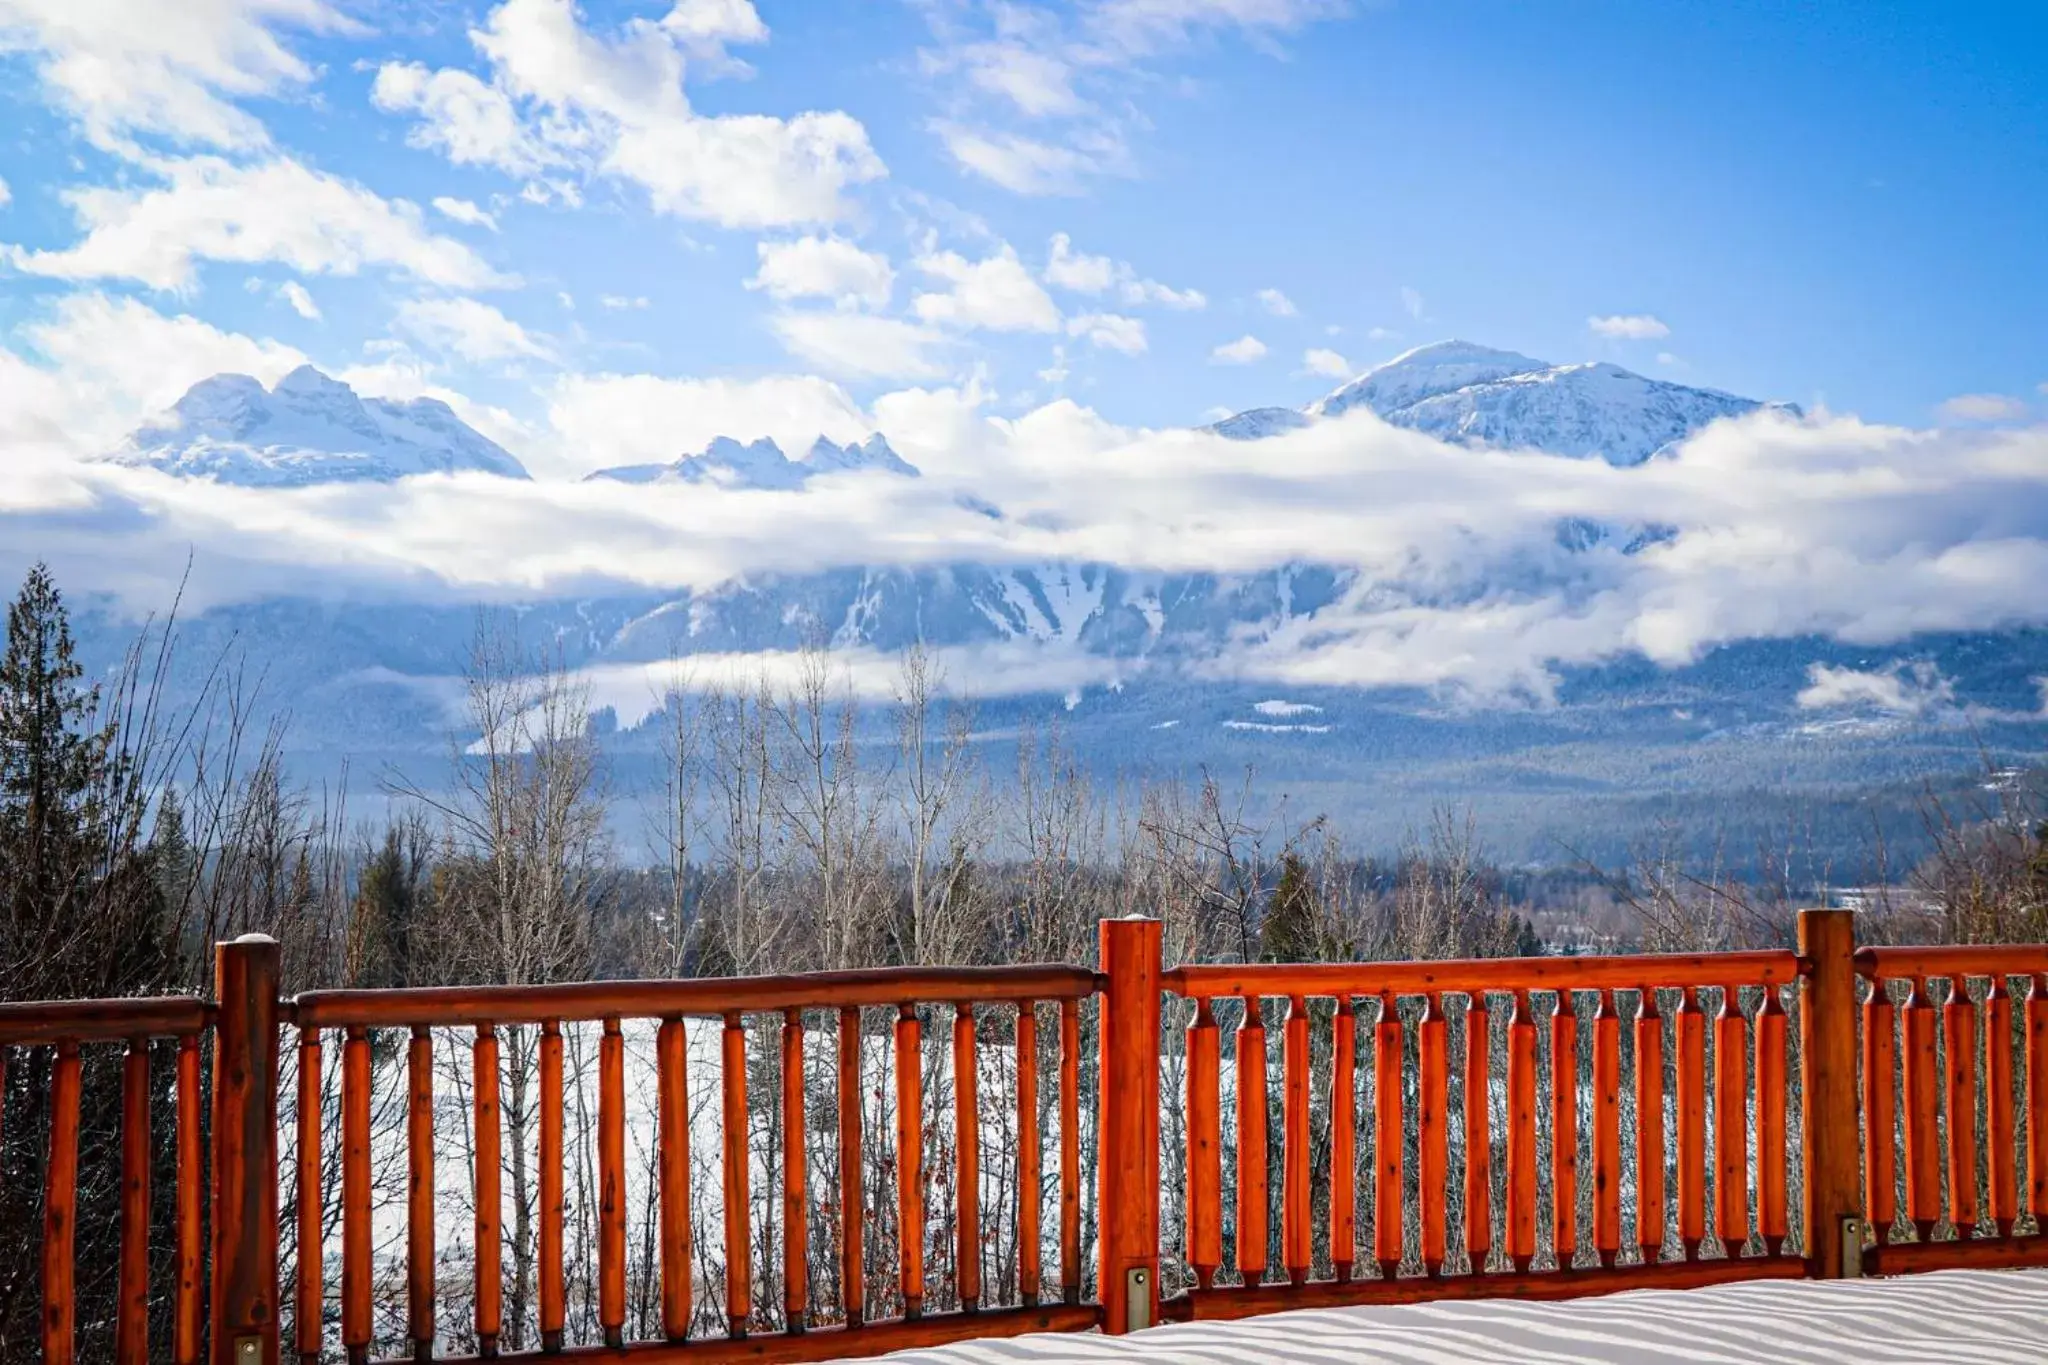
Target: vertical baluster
x=2037, y=1100
x=1387, y=1136
x=60, y=1212
x=611, y=1185
x=1880, y=1099
x=1959, y=1024
x=1771, y=1152
x=1432, y=1128
x=1923, y=1160
x=488, y=1192
x=1607, y=1130
x=1070, y=1151
x=306, y=1307
x=1205, y=1146
x=355, y=1195
x=1692, y=1123
x=419, y=1208
x=1650, y=1219
x=1251, y=1143
x=1344, y=1140
x=1564, y=1128
x=191, y=1180
x=672, y=1097
x=1731, y=1123
x=796, y=1204
x=910, y=1158
x=1478, y=1134
x=739, y=1248
x=131, y=1331
x=853, y=1284
x=1521, y=1134
x=2003, y=1136
x=967, y=1166
x=1028, y=1151
x=553, y=1304
x=1295, y=1239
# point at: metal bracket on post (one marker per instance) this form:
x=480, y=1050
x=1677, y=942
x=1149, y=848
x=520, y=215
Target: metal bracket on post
x=1137, y=1299
x=1852, y=1247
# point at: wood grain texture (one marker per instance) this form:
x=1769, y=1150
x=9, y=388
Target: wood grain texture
x=1252, y=1226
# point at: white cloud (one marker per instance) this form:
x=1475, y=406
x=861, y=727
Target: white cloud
x=620, y=303
x=1901, y=689
x=1326, y=363
x=1066, y=268
x=172, y=71
x=210, y=209
x=562, y=98
x=1109, y=331
x=1277, y=303
x=1382, y=334
x=1983, y=407
x=294, y=293
x=1020, y=164
x=860, y=345
x=1242, y=351
x=1152, y=291
x=1629, y=326
x=468, y=328
x=823, y=268
x=6, y=195
x=1039, y=84
x=602, y=420
x=1411, y=302
x=465, y=212
x=1667, y=358
x=996, y=293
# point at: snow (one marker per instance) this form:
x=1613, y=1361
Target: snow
x=761, y=465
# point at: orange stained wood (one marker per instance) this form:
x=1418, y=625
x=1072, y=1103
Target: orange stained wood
x=47, y=1022
x=185, y=1305
x=60, y=1212
x=1295, y=1239
x=910, y=1159
x=1387, y=1060
x=355, y=1195
x=1923, y=1158
x=1432, y=1128
x=1952, y=960
x=1564, y=1127
x=1252, y=1227
x=1607, y=1130
x=611, y=1185
x=1488, y=974
x=306, y=1308
x=2000, y=1132
x=131, y=1313
x=739, y=1247
x=2037, y=1097
x=1029, y=1190
x=419, y=1205
x=1650, y=1224
x=488, y=1189
x=672, y=1102
x=853, y=1284
x=1070, y=1151
x=1478, y=1134
x=1344, y=1140
x=1880, y=1110
x=796, y=1204
x=1205, y=1146
x=967, y=1161
x=1771, y=1151
x=1692, y=1123
x=552, y=1302
x=1959, y=1024
x=1521, y=1134
x=1731, y=1123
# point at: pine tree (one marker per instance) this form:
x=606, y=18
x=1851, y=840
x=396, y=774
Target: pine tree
x=1289, y=931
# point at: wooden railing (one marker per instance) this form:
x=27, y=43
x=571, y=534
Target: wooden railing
x=1536, y=1127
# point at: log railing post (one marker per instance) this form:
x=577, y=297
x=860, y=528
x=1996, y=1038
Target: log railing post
x=1829, y=1116
x=245, y=1190
x=1127, y=1131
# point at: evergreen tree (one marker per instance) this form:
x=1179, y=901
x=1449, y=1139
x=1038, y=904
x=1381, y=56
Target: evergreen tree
x=1289, y=931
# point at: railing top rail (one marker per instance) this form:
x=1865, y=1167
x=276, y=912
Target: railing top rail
x=1999, y=959
x=1465, y=976
x=456, y=1006
x=103, y=1021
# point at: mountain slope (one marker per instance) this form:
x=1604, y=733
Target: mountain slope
x=761, y=464
x=308, y=429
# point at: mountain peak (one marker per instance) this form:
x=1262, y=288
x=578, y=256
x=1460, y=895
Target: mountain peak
x=308, y=428
x=1424, y=372
x=761, y=465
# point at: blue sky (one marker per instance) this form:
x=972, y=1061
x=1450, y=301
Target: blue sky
x=1824, y=203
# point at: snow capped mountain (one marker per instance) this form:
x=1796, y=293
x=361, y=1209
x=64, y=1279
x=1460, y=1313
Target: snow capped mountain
x=308, y=429
x=761, y=464
x=1474, y=395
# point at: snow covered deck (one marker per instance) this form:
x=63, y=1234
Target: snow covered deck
x=1951, y=1315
